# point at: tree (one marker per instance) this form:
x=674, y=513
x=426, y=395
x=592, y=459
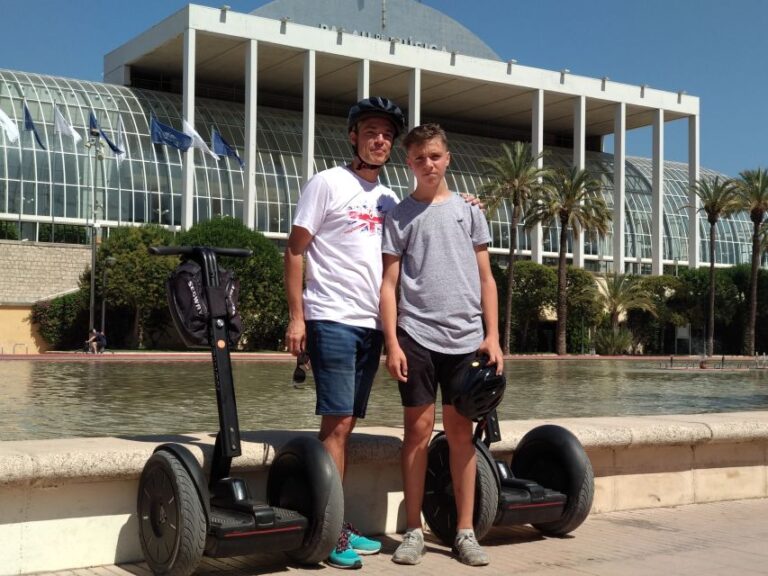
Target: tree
x=263, y=306
x=752, y=188
x=620, y=293
x=719, y=199
x=515, y=177
x=574, y=200
x=535, y=289
x=652, y=329
x=583, y=303
x=136, y=279
x=691, y=300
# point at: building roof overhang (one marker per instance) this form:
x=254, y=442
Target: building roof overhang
x=467, y=89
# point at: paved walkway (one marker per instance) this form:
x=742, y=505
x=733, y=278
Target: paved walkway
x=721, y=538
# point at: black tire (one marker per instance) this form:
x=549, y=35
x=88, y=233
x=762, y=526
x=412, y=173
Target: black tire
x=304, y=478
x=439, y=506
x=172, y=525
x=554, y=458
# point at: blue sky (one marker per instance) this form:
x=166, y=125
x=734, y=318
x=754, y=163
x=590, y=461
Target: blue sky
x=713, y=49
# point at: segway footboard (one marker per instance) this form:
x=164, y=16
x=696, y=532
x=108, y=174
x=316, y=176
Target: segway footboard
x=236, y=533
x=552, y=458
x=526, y=502
x=303, y=480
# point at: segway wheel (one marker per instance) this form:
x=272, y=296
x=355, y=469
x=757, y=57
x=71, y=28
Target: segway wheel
x=554, y=458
x=303, y=477
x=172, y=526
x=439, y=506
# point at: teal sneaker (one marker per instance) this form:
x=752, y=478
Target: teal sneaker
x=343, y=556
x=359, y=543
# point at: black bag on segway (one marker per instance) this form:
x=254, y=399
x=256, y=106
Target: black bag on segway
x=192, y=304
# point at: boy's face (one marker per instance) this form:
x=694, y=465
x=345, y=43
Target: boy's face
x=373, y=139
x=429, y=161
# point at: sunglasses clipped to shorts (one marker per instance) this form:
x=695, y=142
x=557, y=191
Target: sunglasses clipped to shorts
x=300, y=372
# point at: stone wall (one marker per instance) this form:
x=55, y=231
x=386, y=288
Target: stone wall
x=35, y=271
x=32, y=272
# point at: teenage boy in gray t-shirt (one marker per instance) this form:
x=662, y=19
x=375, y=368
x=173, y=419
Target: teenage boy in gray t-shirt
x=435, y=247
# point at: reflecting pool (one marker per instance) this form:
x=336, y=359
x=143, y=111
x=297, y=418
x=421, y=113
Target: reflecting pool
x=56, y=399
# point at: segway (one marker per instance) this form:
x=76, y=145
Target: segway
x=182, y=515
x=549, y=483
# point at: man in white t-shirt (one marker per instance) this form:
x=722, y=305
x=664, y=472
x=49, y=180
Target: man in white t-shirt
x=337, y=227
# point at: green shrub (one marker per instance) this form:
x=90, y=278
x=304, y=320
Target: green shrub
x=61, y=321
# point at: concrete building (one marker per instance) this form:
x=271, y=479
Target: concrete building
x=276, y=85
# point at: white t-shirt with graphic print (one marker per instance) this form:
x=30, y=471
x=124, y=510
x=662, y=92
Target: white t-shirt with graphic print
x=345, y=214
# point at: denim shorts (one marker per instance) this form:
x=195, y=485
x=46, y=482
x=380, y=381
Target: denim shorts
x=344, y=362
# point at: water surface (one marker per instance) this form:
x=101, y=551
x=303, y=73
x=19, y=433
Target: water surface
x=57, y=399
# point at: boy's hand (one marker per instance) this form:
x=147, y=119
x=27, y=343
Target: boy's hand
x=397, y=365
x=492, y=349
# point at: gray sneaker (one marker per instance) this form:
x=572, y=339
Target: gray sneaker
x=469, y=551
x=410, y=550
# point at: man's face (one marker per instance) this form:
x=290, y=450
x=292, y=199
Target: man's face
x=429, y=161
x=373, y=139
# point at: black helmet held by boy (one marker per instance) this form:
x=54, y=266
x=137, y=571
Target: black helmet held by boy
x=481, y=390
x=377, y=106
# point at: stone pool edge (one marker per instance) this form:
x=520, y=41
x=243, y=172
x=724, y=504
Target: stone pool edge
x=70, y=503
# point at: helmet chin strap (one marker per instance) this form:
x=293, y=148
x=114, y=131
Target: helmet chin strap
x=365, y=165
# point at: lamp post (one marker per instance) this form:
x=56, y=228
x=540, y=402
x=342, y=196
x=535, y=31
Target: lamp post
x=93, y=142
x=108, y=263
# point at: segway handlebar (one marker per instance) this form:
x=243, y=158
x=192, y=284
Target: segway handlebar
x=189, y=250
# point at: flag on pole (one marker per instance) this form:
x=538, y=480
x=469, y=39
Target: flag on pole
x=121, y=140
x=162, y=134
x=9, y=126
x=95, y=130
x=222, y=147
x=61, y=126
x=197, y=141
x=29, y=125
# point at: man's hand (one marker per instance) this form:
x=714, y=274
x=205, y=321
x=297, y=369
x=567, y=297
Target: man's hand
x=295, y=337
x=472, y=200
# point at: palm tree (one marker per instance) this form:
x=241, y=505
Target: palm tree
x=719, y=199
x=573, y=199
x=620, y=293
x=753, y=190
x=515, y=177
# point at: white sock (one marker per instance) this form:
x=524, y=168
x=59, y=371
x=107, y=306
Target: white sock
x=464, y=532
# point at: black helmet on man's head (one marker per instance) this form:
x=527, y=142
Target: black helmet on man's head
x=481, y=390
x=377, y=106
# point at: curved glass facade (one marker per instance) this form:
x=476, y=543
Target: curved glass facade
x=72, y=184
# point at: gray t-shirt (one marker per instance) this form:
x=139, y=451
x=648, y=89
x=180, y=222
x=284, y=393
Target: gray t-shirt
x=439, y=280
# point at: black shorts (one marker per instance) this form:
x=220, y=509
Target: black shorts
x=427, y=370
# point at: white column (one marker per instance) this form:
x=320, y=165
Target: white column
x=414, y=107
x=579, y=161
x=619, y=185
x=694, y=246
x=251, y=82
x=414, y=98
x=657, y=197
x=537, y=147
x=308, y=139
x=363, y=79
x=188, y=110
